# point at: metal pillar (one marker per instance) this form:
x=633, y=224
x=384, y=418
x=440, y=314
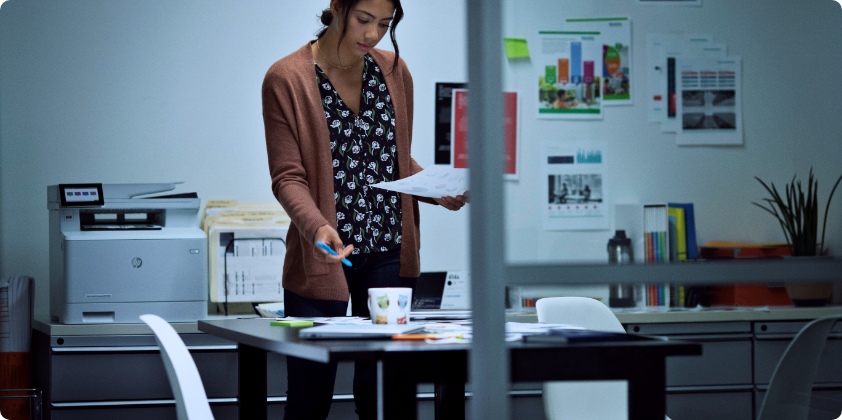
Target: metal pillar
x=489, y=359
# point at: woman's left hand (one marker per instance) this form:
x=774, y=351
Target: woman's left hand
x=453, y=203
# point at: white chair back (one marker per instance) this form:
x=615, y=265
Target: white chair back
x=191, y=402
x=586, y=400
x=790, y=389
x=584, y=312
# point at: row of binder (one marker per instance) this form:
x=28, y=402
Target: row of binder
x=661, y=233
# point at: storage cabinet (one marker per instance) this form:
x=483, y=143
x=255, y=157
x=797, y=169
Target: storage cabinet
x=717, y=384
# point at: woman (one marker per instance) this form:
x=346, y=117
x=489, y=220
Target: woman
x=338, y=118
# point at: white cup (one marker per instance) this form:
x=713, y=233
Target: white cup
x=389, y=305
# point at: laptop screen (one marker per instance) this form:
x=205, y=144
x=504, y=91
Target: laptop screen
x=428, y=291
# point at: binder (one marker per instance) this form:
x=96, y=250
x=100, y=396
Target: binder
x=690, y=229
x=678, y=233
x=656, y=224
x=647, y=225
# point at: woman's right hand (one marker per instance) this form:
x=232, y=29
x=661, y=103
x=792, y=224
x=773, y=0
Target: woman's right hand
x=328, y=236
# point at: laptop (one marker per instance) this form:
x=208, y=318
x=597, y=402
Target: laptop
x=358, y=331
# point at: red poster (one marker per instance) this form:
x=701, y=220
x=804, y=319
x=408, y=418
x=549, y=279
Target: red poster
x=459, y=139
x=510, y=133
x=459, y=131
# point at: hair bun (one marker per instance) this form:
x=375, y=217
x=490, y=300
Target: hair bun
x=327, y=17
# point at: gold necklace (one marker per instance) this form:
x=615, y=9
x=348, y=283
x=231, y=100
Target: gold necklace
x=334, y=65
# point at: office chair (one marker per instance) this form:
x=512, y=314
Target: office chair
x=191, y=402
x=582, y=399
x=790, y=389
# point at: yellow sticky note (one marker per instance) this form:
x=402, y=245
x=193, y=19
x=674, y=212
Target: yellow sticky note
x=516, y=47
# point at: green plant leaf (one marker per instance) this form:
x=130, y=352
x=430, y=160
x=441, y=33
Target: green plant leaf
x=827, y=208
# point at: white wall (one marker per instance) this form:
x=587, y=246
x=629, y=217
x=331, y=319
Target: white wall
x=791, y=96
x=118, y=91
x=121, y=91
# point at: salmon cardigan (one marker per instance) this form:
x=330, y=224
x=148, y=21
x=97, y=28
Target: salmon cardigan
x=300, y=163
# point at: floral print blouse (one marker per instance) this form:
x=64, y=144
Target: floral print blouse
x=364, y=153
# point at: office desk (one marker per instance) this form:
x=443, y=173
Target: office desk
x=402, y=365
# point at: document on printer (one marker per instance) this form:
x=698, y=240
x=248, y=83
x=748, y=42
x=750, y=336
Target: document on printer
x=254, y=265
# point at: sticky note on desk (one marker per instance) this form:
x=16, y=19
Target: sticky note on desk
x=291, y=323
x=516, y=47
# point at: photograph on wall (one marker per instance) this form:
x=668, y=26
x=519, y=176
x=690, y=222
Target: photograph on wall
x=569, y=82
x=576, y=196
x=616, y=56
x=709, y=102
x=444, y=99
x=511, y=132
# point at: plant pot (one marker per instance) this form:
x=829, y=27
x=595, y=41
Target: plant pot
x=809, y=294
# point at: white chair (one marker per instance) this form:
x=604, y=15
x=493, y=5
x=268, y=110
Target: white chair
x=582, y=399
x=191, y=402
x=790, y=389
x=589, y=400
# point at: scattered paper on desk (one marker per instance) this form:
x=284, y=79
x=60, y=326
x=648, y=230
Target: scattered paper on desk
x=435, y=182
x=339, y=320
x=516, y=48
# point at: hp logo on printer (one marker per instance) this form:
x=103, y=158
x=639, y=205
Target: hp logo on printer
x=137, y=262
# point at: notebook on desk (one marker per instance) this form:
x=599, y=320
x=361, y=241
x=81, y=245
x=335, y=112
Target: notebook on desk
x=358, y=331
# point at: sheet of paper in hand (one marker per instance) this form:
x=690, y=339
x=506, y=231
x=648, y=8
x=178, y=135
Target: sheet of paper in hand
x=435, y=182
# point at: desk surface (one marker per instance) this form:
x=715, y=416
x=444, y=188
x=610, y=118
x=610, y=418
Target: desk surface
x=771, y=313
x=260, y=334
x=780, y=313
x=402, y=365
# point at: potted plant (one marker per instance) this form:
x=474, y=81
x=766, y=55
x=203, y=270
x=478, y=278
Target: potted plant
x=798, y=216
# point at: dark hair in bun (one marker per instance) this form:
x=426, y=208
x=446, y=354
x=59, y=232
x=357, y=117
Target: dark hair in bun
x=345, y=5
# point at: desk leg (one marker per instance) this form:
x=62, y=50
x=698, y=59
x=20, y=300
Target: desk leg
x=251, y=383
x=450, y=401
x=396, y=392
x=648, y=390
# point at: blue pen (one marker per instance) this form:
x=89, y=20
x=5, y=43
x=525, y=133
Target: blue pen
x=332, y=252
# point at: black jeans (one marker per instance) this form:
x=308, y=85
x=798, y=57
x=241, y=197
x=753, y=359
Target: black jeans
x=310, y=384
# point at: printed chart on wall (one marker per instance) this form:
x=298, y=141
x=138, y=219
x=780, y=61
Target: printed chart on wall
x=574, y=179
x=709, y=102
x=616, y=56
x=664, y=50
x=511, y=130
x=569, y=83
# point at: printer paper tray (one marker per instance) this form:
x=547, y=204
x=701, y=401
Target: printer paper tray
x=116, y=228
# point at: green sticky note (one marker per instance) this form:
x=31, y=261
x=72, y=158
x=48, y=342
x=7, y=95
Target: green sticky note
x=516, y=47
x=291, y=323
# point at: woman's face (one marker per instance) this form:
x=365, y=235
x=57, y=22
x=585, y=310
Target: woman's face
x=368, y=22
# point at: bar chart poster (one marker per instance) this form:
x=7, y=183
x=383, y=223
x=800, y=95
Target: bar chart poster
x=511, y=130
x=570, y=75
x=617, y=85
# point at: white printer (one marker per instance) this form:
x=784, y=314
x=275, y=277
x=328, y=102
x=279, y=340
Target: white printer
x=115, y=256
